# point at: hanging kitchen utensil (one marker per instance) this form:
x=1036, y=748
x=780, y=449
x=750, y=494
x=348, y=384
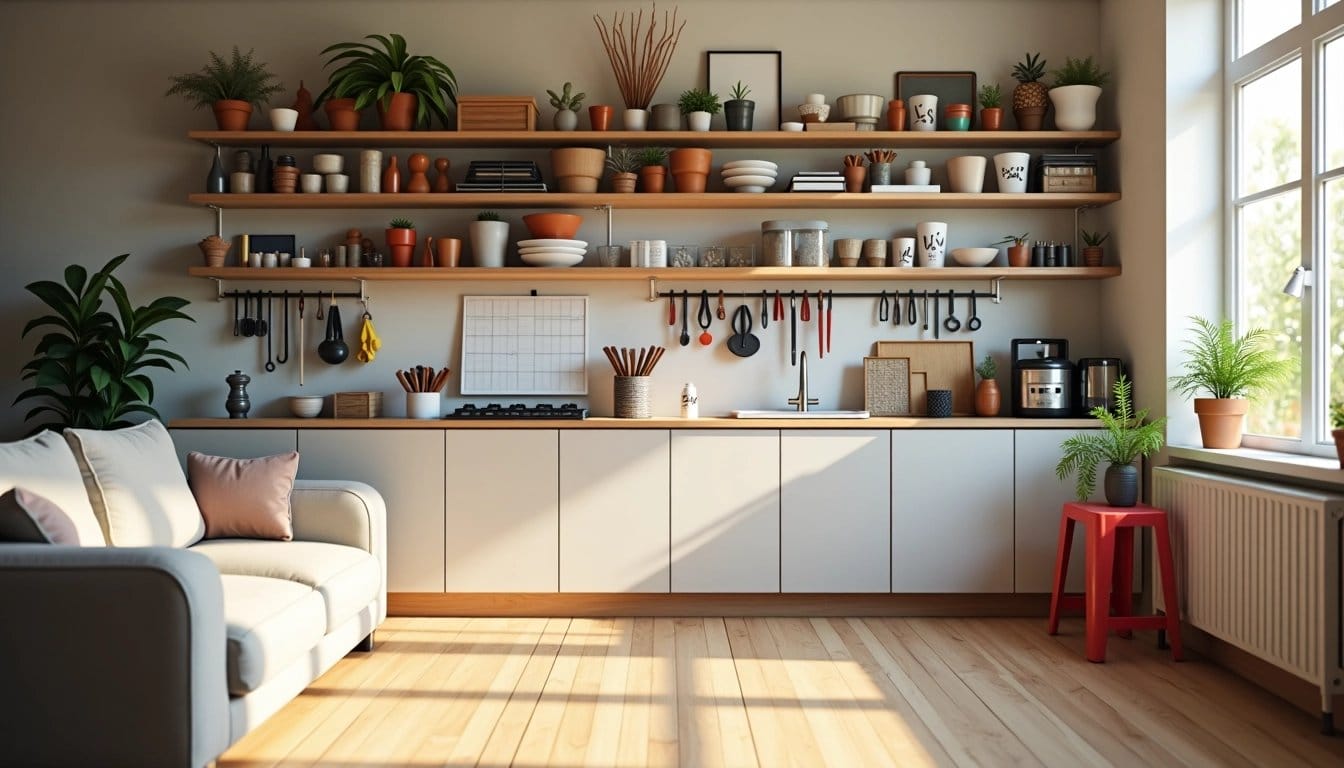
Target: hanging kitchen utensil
x=924, y=298
x=685, y=316
x=263, y=325
x=830, y=300
x=237, y=319
x=910, y=308
x=896, y=308
x=806, y=314
x=303, y=339
x=779, y=309
x=765, y=310
x=742, y=343
x=369, y=343
x=973, y=324
x=937, y=297
x=720, y=312
x=793, y=330
x=249, y=325
x=270, y=360
x=821, y=329
x=284, y=307
x=883, y=308
x=319, y=307
x=672, y=309
x=704, y=317
x=333, y=349
x=952, y=323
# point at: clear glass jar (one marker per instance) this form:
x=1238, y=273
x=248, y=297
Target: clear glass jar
x=787, y=243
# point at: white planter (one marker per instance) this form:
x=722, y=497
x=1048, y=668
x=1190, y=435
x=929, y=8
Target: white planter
x=488, y=241
x=1010, y=168
x=635, y=119
x=565, y=120
x=966, y=173
x=698, y=121
x=1075, y=106
x=930, y=243
x=923, y=112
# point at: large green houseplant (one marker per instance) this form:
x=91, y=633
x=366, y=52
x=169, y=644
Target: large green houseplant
x=230, y=86
x=90, y=369
x=1230, y=369
x=405, y=88
x=1128, y=436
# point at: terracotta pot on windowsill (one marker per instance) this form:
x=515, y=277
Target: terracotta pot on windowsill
x=1221, y=420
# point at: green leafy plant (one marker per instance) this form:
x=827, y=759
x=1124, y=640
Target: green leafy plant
x=740, y=91
x=91, y=370
x=990, y=95
x=1080, y=72
x=987, y=369
x=698, y=100
x=368, y=74
x=1226, y=365
x=1093, y=239
x=489, y=216
x=402, y=224
x=1014, y=239
x=1337, y=414
x=240, y=77
x=622, y=160
x=1128, y=436
x=565, y=99
x=652, y=156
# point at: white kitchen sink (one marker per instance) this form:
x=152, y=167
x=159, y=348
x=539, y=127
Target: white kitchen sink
x=800, y=414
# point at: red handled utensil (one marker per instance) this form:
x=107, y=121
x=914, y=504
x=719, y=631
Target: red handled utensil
x=821, y=329
x=830, y=297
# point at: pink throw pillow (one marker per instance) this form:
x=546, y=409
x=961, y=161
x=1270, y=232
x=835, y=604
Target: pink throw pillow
x=244, y=498
x=28, y=518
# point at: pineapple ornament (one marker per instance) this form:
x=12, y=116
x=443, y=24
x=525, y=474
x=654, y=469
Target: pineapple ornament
x=1030, y=98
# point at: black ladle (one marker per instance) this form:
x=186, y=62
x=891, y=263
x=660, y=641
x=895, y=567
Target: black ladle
x=285, y=309
x=263, y=325
x=952, y=323
x=249, y=325
x=883, y=308
x=765, y=311
x=237, y=319
x=270, y=361
x=742, y=343
x=973, y=324
x=685, y=314
x=333, y=349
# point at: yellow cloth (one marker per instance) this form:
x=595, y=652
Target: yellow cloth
x=369, y=343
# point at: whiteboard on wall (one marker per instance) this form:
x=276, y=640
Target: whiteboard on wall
x=524, y=345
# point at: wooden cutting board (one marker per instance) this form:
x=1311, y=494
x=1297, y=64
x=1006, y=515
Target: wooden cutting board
x=945, y=365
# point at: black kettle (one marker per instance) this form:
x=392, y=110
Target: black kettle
x=333, y=349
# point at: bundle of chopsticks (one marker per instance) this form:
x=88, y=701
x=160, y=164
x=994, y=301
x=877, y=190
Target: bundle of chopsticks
x=880, y=156
x=422, y=378
x=629, y=361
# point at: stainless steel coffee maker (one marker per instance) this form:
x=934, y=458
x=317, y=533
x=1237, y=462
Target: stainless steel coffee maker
x=1042, y=378
x=1096, y=383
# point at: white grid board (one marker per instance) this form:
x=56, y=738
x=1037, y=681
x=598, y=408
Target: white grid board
x=524, y=345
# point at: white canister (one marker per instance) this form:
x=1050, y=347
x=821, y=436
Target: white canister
x=923, y=112
x=639, y=253
x=815, y=98
x=918, y=173
x=690, y=402
x=966, y=174
x=903, y=251
x=930, y=243
x=1010, y=169
x=270, y=260
x=422, y=405
x=657, y=253
x=370, y=170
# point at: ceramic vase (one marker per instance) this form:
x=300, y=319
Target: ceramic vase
x=666, y=117
x=1075, y=106
x=879, y=173
x=930, y=243
x=854, y=176
x=918, y=173
x=1010, y=171
x=565, y=120
x=599, y=116
x=698, y=121
x=896, y=115
x=923, y=112
x=214, y=180
x=635, y=119
x=966, y=173
x=488, y=241
x=987, y=398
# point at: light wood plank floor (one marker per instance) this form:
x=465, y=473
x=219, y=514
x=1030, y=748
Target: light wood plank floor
x=774, y=692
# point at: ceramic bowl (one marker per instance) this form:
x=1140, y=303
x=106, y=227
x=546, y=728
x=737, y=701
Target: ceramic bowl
x=326, y=164
x=284, y=118
x=791, y=126
x=859, y=105
x=974, y=257
x=544, y=259
x=561, y=226
x=814, y=113
x=305, y=406
x=310, y=183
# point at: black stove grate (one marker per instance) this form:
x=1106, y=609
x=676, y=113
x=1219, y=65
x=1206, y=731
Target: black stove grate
x=471, y=412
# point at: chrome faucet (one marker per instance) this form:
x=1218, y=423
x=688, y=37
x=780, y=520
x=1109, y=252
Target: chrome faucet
x=801, y=400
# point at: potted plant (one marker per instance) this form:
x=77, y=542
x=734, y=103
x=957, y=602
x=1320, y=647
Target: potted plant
x=1337, y=428
x=566, y=108
x=1093, y=253
x=623, y=164
x=90, y=368
x=1230, y=369
x=652, y=172
x=401, y=241
x=690, y=168
x=1030, y=97
x=699, y=106
x=489, y=235
x=1128, y=436
x=739, y=112
x=639, y=69
x=987, y=391
x=1019, y=253
x=230, y=87
x=1075, y=92
x=991, y=114
x=405, y=88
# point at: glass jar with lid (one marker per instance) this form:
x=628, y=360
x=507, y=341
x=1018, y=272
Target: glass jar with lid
x=787, y=243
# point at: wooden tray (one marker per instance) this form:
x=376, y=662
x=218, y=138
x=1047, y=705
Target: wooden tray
x=496, y=113
x=945, y=365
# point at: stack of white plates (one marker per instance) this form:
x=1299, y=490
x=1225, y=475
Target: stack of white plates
x=749, y=175
x=554, y=252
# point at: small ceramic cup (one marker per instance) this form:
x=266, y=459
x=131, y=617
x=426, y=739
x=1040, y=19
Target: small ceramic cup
x=284, y=118
x=610, y=255
x=939, y=403
x=848, y=250
x=790, y=126
x=310, y=183
x=338, y=183
x=923, y=112
x=242, y=183
x=301, y=262
x=903, y=251
x=966, y=173
x=1010, y=169
x=874, y=253
x=449, y=253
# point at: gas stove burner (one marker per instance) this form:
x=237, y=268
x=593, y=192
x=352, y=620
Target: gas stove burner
x=518, y=411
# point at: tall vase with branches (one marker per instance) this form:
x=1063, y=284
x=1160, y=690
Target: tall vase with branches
x=638, y=60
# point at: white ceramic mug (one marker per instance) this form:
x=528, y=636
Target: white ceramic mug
x=1010, y=169
x=310, y=183
x=903, y=251
x=338, y=183
x=931, y=243
x=422, y=405
x=284, y=118
x=966, y=173
x=923, y=112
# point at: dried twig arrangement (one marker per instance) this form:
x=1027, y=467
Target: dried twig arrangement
x=639, y=70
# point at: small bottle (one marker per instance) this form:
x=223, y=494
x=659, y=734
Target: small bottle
x=690, y=402
x=392, y=176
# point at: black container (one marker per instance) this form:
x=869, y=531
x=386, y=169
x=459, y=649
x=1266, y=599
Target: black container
x=738, y=114
x=264, y=170
x=1038, y=255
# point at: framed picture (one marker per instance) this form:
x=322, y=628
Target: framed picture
x=759, y=71
x=949, y=87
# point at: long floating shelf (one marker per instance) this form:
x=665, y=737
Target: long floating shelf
x=666, y=201
x=690, y=274
x=711, y=139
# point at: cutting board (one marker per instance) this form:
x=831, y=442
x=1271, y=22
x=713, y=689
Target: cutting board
x=945, y=365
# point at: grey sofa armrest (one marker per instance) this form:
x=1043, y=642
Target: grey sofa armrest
x=111, y=656
x=343, y=512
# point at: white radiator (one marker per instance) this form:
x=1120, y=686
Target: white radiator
x=1258, y=566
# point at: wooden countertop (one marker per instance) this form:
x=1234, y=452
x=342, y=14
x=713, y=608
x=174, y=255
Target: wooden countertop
x=658, y=422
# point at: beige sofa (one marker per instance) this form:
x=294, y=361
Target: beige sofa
x=149, y=646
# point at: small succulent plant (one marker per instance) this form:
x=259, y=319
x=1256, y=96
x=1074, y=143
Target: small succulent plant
x=1337, y=414
x=652, y=156
x=400, y=223
x=489, y=216
x=1080, y=72
x=698, y=100
x=566, y=99
x=1094, y=239
x=740, y=91
x=990, y=95
x=622, y=160
x=1014, y=239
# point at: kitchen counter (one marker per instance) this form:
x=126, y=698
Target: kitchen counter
x=657, y=422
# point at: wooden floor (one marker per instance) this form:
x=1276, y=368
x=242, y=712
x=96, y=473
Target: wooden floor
x=774, y=692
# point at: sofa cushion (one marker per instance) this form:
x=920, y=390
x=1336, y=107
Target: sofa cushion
x=244, y=498
x=136, y=486
x=45, y=465
x=28, y=518
x=347, y=578
x=269, y=623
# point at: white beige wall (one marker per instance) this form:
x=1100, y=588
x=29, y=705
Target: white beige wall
x=97, y=163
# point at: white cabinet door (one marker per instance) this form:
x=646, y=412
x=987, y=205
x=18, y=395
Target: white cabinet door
x=835, y=510
x=503, y=495
x=1039, y=501
x=952, y=510
x=725, y=510
x=613, y=510
x=235, y=443
x=406, y=467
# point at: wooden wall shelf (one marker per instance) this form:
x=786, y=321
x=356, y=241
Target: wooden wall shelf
x=670, y=274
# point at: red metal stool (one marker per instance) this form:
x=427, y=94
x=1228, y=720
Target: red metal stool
x=1109, y=601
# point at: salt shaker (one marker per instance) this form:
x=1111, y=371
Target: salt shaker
x=690, y=402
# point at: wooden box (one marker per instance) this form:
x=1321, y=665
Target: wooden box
x=357, y=405
x=1069, y=184
x=496, y=113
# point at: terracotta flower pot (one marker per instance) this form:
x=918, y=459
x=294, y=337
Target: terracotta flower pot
x=652, y=178
x=577, y=169
x=624, y=182
x=215, y=249
x=1019, y=255
x=1221, y=420
x=987, y=398
x=690, y=181
x=689, y=160
x=401, y=244
x=600, y=117
x=1338, y=434
x=232, y=114
x=896, y=115
x=854, y=175
x=991, y=118
x=1093, y=256
x=1030, y=118
x=400, y=112
x=341, y=114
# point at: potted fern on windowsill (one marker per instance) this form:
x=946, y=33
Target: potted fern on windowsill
x=1128, y=436
x=1337, y=428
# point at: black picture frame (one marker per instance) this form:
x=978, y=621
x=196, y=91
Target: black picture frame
x=724, y=68
x=951, y=87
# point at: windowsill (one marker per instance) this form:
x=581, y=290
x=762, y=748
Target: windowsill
x=1303, y=470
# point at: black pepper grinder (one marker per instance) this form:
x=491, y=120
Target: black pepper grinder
x=238, y=403
x=264, y=170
